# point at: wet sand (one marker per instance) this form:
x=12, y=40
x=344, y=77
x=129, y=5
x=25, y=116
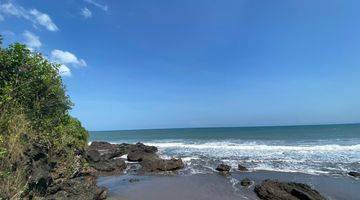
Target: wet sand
x=215, y=186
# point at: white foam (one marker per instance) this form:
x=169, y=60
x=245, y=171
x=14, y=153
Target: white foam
x=124, y=156
x=258, y=147
x=188, y=159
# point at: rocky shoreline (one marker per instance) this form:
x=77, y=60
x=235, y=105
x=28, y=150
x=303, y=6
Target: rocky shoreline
x=112, y=159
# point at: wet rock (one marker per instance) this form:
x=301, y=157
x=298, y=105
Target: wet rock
x=133, y=180
x=102, y=156
x=242, y=168
x=245, y=182
x=101, y=193
x=109, y=165
x=270, y=190
x=139, y=152
x=103, y=151
x=223, y=168
x=354, y=174
x=158, y=164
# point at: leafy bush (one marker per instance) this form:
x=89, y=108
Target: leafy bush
x=34, y=108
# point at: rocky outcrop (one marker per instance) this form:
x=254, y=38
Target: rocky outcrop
x=98, y=151
x=103, y=157
x=354, y=174
x=274, y=190
x=39, y=167
x=157, y=164
x=109, y=165
x=47, y=179
x=223, y=168
x=242, y=168
x=82, y=187
x=139, y=152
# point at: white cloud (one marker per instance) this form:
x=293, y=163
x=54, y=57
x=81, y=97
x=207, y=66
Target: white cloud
x=65, y=57
x=86, y=13
x=104, y=7
x=64, y=70
x=32, y=40
x=35, y=16
x=44, y=20
x=11, y=9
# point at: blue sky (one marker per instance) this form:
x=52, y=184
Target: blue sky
x=198, y=63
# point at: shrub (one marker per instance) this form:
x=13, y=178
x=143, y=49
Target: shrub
x=34, y=108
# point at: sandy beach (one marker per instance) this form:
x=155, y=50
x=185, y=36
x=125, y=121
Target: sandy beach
x=214, y=186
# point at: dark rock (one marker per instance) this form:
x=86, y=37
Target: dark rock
x=245, y=182
x=82, y=187
x=101, y=193
x=109, y=165
x=93, y=155
x=38, y=173
x=157, y=164
x=223, y=168
x=133, y=180
x=270, y=190
x=139, y=152
x=354, y=174
x=103, y=151
x=242, y=168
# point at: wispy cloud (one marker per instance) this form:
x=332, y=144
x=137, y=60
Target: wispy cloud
x=33, y=15
x=86, y=13
x=104, y=7
x=32, y=40
x=1, y=18
x=44, y=20
x=11, y=9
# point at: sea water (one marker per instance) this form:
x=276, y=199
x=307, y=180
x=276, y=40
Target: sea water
x=319, y=149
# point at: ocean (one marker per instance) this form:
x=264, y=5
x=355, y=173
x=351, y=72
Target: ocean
x=314, y=149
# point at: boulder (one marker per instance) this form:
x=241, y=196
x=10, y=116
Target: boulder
x=270, y=190
x=242, y=168
x=354, y=174
x=139, y=152
x=245, y=182
x=158, y=164
x=223, y=168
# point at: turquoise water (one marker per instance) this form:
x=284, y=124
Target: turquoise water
x=330, y=149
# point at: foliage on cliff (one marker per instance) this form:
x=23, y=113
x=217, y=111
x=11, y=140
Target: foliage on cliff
x=34, y=110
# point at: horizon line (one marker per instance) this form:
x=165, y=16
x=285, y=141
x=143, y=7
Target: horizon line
x=205, y=127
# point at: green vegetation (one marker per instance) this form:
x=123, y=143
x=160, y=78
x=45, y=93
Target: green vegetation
x=34, y=110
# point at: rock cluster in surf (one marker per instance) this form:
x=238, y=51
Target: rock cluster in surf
x=106, y=158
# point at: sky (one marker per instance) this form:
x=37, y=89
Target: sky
x=197, y=63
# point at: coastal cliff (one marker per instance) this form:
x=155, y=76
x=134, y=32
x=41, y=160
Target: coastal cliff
x=41, y=146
